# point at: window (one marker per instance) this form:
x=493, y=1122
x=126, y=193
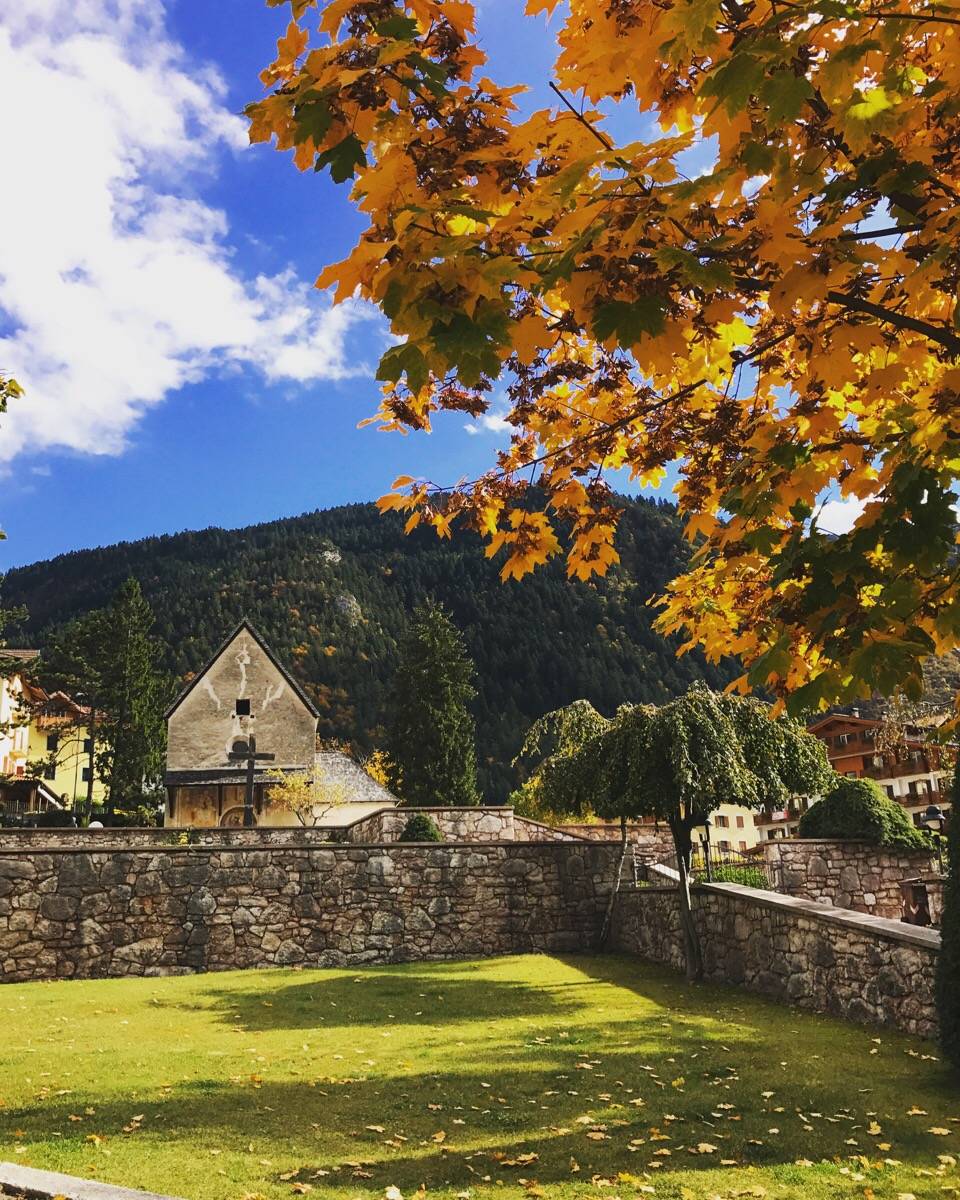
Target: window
x=742, y=845
x=756, y=818
x=720, y=822
x=88, y=745
x=724, y=845
x=86, y=775
x=172, y=804
x=739, y=822
x=888, y=788
x=243, y=708
x=50, y=771
x=53, y=741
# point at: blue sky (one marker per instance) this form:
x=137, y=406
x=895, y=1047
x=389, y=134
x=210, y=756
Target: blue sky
x=155, y=282
x=180, y=370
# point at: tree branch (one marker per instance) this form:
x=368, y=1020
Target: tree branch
x=936, y=333
x=601, y=138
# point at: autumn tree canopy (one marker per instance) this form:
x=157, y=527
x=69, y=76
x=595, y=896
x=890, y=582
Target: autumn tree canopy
x=782, y=325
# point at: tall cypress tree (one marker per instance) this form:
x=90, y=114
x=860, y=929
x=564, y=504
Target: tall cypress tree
x=431, y=738
x=948, y=961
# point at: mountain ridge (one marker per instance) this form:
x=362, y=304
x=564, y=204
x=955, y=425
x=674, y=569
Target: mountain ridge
x=332, y=591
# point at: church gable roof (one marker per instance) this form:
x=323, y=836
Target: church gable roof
x=244, y=626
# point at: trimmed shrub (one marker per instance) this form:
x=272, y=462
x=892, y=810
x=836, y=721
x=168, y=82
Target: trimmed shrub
x=421, y=828
x=948, y=960
x=859, y=808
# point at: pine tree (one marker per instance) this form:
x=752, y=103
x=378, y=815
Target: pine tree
x=431, y=740
x=948, y=961
x=110, y=660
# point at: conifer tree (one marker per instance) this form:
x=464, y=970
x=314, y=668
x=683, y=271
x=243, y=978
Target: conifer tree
x=431, y=740
x=948, y=961
x=110, y=659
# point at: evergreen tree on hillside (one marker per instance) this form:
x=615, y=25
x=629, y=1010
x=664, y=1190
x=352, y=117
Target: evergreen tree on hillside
x=948, y=960
x=110, y=659
x=332, y=593
x=431, y=736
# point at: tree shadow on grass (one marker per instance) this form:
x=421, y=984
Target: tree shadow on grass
x=429, y=994
x=542, y=1098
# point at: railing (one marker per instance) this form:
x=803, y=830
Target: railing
x=712, y=865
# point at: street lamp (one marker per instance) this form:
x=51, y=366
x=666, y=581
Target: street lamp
x=934, y=819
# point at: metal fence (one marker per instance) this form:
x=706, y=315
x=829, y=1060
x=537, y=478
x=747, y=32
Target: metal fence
x=710, y=864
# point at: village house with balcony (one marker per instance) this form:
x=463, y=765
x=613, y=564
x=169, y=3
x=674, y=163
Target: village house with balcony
x=915, y=773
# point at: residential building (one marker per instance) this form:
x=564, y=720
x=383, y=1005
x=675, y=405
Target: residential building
x=735, y=828
x=60, y=749
x=245, y=695
x=916, y=773
x=14, y=719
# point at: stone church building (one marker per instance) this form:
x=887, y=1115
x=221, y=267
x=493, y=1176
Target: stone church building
x=244, y=691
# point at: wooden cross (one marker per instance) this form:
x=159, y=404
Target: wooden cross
x=251, y=758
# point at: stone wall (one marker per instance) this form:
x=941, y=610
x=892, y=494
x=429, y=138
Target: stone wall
x=75, y=914
x=466, y=824
x=151, y=838
x=651, y=844
x=478, y=824
x=526, y=830
x=846, y=874
x=850, y=965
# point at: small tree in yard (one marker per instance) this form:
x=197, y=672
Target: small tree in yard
x=678, y=763
x=430, y=731
x=309, y=796
x=948, y=960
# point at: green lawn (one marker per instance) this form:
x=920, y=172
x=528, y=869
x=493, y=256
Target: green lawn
x=575, y=1077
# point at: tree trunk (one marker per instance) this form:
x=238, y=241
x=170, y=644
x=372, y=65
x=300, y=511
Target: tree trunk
x=691, y=939
x=611, y=902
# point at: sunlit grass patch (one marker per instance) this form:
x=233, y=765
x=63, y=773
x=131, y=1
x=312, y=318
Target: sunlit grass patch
x=585, y=1076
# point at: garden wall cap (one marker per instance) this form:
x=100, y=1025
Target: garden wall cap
x=27, y=1181
x=884, y=927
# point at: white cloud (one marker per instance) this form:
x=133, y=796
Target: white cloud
x=117, y=284
x=838, y=516
x=489, y=422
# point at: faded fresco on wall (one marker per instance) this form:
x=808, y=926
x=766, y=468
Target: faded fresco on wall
x=242, y=693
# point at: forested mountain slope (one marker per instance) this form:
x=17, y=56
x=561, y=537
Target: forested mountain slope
x=332, y=592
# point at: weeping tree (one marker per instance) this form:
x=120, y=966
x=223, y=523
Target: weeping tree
x=555, y=735
x=680, y=762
